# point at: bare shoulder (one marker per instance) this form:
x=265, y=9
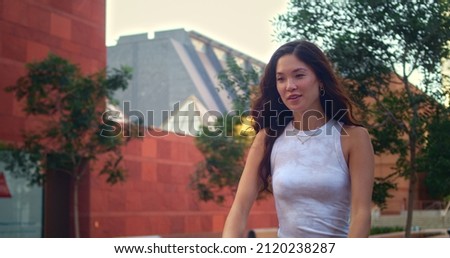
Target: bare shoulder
x=356, y=132
x=356, y=137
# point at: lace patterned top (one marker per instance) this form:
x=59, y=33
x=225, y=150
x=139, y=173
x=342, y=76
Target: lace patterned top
x=311, y=182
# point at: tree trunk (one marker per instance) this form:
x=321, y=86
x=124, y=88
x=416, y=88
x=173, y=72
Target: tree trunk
x=76, y=217
x=412, y=187
x=412, y=151
x=80, y=170
x=411, y=198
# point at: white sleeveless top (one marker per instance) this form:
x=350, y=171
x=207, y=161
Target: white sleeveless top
x=311, y=182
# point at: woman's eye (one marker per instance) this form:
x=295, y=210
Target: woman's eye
x=299, y=75
x=279, y=79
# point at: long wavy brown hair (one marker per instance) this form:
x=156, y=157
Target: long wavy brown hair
x=270, y=114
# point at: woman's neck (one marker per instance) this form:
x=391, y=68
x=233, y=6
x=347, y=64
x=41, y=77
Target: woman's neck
x=305, y=122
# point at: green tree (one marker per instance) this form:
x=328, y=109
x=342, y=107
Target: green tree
x=436, y=161
x=70, y=107
x=224, y=144
x=379, y=47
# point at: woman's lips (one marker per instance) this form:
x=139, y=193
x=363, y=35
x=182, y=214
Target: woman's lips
x=294, y=97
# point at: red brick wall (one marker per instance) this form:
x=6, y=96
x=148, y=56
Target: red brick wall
x=156, y=199
x=29, y=29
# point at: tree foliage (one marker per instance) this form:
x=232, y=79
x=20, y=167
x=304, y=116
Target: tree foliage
x=436, y=161
x=69, y=107
x=239, y=83
x=381, y=188
x=380, y=47
x=224, y=144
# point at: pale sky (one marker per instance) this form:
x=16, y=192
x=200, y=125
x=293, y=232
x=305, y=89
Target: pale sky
x=244, y=25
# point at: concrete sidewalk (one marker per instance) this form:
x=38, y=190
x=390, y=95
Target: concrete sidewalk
x=425, y=233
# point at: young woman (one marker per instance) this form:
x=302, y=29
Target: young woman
x=308, y=150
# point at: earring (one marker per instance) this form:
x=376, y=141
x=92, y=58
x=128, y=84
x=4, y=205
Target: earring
x=322, y=90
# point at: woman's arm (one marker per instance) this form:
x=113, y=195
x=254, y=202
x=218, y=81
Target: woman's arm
x=361, y=166
x=247, y=191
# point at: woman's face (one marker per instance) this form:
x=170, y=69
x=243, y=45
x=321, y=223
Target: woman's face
x=298, y=86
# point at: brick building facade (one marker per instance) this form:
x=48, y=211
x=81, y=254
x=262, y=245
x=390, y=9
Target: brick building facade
x=155, y=199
